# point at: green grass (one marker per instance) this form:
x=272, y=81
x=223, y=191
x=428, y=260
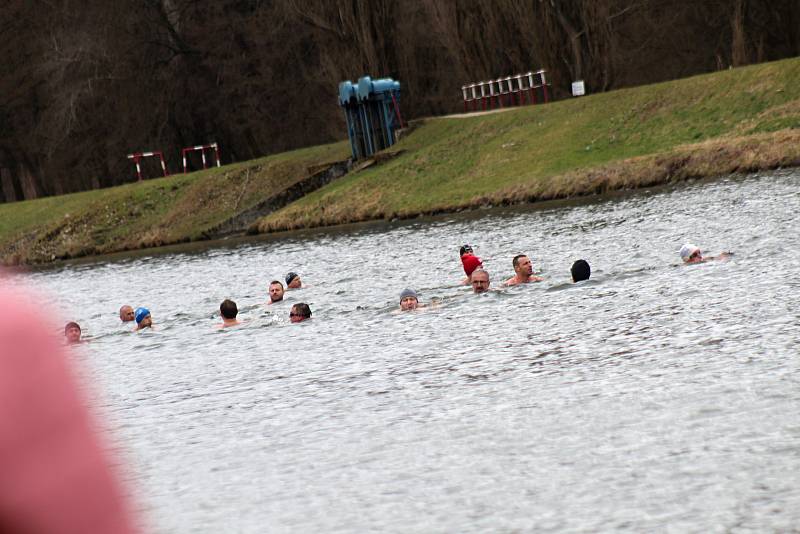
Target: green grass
x=735, y=120
x=152, y=212
x=450, y=162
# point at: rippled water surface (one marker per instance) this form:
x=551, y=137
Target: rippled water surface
x=654, y=397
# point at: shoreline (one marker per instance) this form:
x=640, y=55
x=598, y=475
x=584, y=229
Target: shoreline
x=707, y=161
x=734, y=121
x=500, y=209
x=704, y=161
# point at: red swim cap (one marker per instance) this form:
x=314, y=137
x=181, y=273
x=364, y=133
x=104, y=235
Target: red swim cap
x=470, y=263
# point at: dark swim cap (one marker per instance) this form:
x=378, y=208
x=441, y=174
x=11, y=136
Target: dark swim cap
x=290, y=277
x=580, y=271
x=465, y=249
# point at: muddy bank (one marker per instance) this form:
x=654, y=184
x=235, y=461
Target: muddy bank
x=242, y=222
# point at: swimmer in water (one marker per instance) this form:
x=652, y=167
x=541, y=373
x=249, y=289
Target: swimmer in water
x=228, y=310
x=409, y=300
x=275, y=292
x=692, y=254
x=72, y=332
x=480, y=281
x=143, y=319
x=293, y=281
x=524, y=271
x=300, y=312
x=470, y=263
x=580, y=271
x=126, y=314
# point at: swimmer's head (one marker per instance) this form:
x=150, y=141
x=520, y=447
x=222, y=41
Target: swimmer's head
x=580, y=271
x=72, y=331
x=275, y=291
x=691, y=253
x=300, y=312
x=143, y=318
x=408, y=300
x=480, y=281
x=470, y=263
x=522, y=265
x=126, y=314
x=465, y=249
x=293, y=281
x=228, y=309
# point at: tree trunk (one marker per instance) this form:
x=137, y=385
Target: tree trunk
x=30, y=189
x=7, y=180
x=739, y=56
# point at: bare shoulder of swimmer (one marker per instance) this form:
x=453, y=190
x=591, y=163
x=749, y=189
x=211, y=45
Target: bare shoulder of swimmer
x=721, y=256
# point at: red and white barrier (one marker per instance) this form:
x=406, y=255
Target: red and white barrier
x=507, y=91
x=137, y=158
x=202, y=149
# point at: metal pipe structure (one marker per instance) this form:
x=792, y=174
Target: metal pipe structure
x=202, y=149
x=138, y=156
x=372, y=111
x=508, y=90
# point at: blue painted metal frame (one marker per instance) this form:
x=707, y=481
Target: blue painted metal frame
x=371, y=111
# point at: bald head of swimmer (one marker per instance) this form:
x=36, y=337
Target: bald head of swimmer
x=126, y=314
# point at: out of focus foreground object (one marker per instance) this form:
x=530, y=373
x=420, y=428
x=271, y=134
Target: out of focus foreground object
x=55, y=475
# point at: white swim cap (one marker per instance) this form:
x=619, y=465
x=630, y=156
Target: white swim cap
x=687, y=250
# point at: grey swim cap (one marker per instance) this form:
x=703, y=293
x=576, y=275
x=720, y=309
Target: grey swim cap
x=408, y=293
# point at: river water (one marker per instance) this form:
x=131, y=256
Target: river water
x=655, y=397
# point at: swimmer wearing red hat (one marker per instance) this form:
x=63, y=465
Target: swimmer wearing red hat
x=470, y=262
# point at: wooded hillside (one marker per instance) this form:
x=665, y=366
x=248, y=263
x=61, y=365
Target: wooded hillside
x=82, y=84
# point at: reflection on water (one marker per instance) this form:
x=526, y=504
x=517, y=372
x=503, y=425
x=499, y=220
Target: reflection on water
x=653, y=395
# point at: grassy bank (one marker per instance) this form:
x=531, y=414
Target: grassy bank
x=151, y=213
x=737, y=120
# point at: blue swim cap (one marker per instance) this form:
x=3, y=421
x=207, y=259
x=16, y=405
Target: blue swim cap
x=141, y=313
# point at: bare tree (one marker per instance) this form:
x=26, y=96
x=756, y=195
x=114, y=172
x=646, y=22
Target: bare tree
x=81, y=85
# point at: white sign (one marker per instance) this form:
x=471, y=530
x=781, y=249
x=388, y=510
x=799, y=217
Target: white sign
x=578, y=89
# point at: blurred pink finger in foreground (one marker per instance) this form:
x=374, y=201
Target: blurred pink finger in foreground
x=55, y=477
